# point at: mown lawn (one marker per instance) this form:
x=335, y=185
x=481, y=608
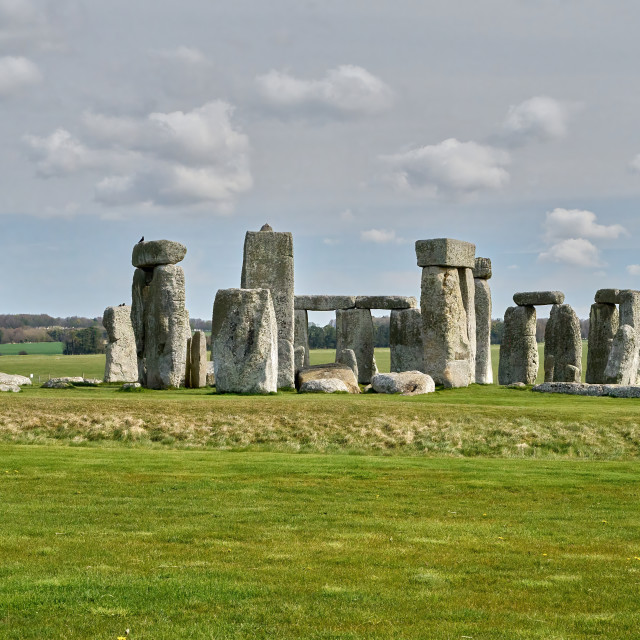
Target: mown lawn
x=185, y=544
x=32, y=348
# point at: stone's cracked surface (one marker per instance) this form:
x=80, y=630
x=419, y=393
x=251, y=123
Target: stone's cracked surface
x=482, y=268
x=533, y=298
x=324, y=303
x=607, y=296
x=14, y=380
x=603, y=326
x=585, y=389
x=354, y=330
x=406, y=383
x=622, y=366
x=386, y=302
x=324, y=385
x=268, y=264
x=121, y=361
x=484, y=370
x=244, y=338
x=153, y=253
x=468, y=291
x=445, y=252
x=348, y=357
x=519, y=349
x=562, y=346
x=328, y=371
x=198, y=360
x=301, y=337
x=405, y=340
x=447, y=352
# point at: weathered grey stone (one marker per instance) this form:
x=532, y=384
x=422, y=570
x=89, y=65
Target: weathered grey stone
x=328, y=371
x=482, y=268
x=128, y=386
x=348, y=357
x=153, y=253
x=14, y=379
x=603, y=326
x=622, y=366
x=468, y=291
x=57, y=383
x=325, y=385
x=405, y=340
x=69, y=381
x=445, y=252
x=386, y=302
x=13, y=388
x=447, y=353
x=484, y=369
x=268, y=264
x=301, y=335
x=532, y=298
x=198, y=360
x=354, y=330
x=121, y=362
x=562, y=346
x=406, y=383
x=582, y=389
x=622, y=391
x=629, y=301
x=299, y=355
x=161, y=326
x=244, y=339
x=519, y=349
x=607, y=296
x=211, y=374
x=325, y=303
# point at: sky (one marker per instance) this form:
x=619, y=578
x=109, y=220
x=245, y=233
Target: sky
x=359, y=126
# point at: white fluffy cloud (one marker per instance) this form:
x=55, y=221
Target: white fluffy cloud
x=633, y=269
x=17, y=73
x=345, y=90
x=380, y=236
x=539, y=118
x=578, y=252
x=185, y=55
x=176, y=158
x=449, y=168
x=24, y=25
x=575, y=223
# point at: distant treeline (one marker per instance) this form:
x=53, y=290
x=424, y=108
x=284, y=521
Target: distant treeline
x=38, y=320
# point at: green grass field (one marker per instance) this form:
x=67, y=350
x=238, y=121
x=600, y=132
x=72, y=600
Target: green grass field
x=32, y=348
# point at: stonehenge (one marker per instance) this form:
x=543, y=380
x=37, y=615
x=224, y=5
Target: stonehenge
x=158, y=315
x=197, y=361
x=519, y=349
x=354, y=330
x=405, y=340
x=447, y=304
x=121, y=363
x=562, y=346
x=481, y=276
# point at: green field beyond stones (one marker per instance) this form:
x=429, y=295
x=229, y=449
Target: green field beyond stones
x=185, y=544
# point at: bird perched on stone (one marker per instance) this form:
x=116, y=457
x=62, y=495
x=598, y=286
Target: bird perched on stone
x=141, y=240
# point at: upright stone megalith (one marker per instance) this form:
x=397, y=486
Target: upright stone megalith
x=158, y=314
x=121, y=361
x=603, y=326
x=562, y=346
x=244, y=341
x=198, y=360
x=519, y=349
x=405, y=340
x=301, y=334
x=482, y=273
x=468, y=290
x=624, y=359
x=354, y=330
x=446, y=303
x=268, y=264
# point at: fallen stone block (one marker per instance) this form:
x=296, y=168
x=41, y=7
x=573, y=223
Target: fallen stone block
x=13, y=388
x=15, y=380
x=325, y=385
x=328, y=371
x=406, y=383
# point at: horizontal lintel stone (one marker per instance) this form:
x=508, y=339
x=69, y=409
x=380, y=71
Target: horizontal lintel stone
x=607, y=296
x=445, y=252
x=386, y=302
x=533, y=298
x=324, y=303
x=157, y=252
x=482, y=269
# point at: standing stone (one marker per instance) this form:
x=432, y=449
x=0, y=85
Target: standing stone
x=354, y=330
x=562, y=346
x=484, y=369
x=139, y=298
x=244, y=341
x=198, y=360
x=268, y=264
x=622, y=366
x=301, y=334
x=121, y=361
x=166, y=329
x=447, y=352
x=298, y=358
x=348, y=357
x=603, y=326
x=405, y=340
x=468, y=290
x=519, y=349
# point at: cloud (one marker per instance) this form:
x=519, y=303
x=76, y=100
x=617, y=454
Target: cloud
x=633, y=269
x=184, y=55
x=177, y=158
x=634, y=165
x=577, y=252
x=575, y=223
x=380, y=236
x=538, y=119
x=16, y=74
x=347, y=90
x=449, y=168
x=24, y=26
